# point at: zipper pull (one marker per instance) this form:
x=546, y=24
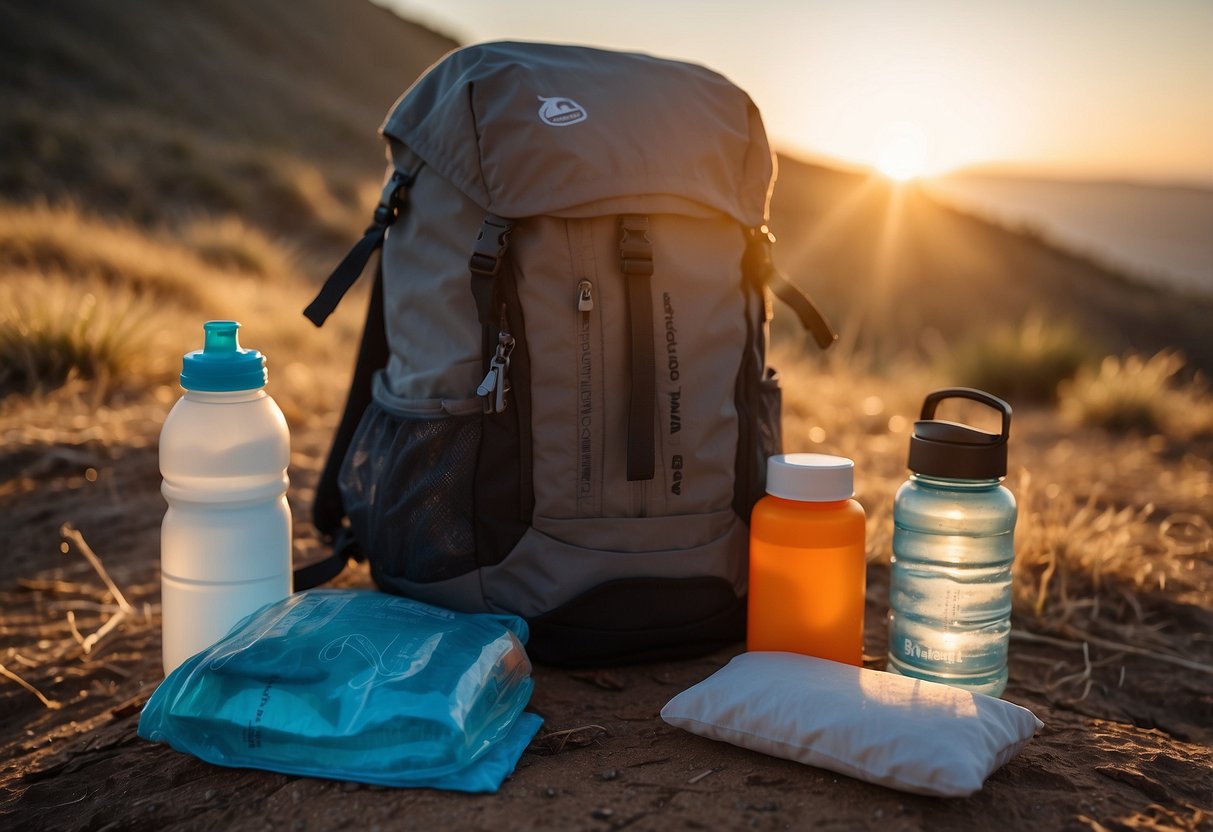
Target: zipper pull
x=585, y=296
x=490, y=381
x=496, y=382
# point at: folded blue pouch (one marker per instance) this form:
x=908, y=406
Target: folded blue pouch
x=356, y=685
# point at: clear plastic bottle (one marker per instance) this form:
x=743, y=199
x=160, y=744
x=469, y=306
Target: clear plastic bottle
x=953, y=548
x=807, y=564
x=225, y=544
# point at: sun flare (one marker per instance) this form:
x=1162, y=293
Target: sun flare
x=901, y=152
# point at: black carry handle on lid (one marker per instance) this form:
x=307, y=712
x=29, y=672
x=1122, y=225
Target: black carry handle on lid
x=957, y=451
x=931, y=402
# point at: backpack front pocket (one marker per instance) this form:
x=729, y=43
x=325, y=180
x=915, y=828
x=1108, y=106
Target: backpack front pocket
x=408, y=485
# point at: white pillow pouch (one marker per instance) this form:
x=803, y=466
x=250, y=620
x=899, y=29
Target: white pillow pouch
x=892, y=730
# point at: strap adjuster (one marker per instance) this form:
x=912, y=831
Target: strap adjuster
x=393, y=197
x=491, y=245
x=758, y=262
x=635, y=247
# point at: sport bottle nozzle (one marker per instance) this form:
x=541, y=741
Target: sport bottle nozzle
x=222, y=365
x=221, y=336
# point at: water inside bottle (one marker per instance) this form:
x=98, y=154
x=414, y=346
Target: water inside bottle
x=950, y=607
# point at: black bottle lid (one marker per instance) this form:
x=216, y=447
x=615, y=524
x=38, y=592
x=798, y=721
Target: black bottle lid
x=948, y=449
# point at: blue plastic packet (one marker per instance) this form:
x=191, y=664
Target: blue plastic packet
x=356, y=685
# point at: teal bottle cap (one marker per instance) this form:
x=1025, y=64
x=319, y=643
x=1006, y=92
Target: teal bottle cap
x=222, y=365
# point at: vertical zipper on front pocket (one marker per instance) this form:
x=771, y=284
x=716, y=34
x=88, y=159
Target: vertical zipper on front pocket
x=589, y=407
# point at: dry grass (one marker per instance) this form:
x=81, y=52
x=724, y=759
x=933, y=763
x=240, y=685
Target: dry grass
x=1023, y=364
x=1086, y=565
x=116, y=306
x=230, y=244
x=1139, y=394
x=53, y=329
x=66, y=242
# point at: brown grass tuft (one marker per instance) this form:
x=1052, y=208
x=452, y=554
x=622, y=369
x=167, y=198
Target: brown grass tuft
x=1023, y=364
x=52, y=329
x=230, y=244
x=1139, y=394
x=69, y=243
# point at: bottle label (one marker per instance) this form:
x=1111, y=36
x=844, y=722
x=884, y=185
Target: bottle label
x=912, y=649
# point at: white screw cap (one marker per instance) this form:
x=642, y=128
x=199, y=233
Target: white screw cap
x=817, y=478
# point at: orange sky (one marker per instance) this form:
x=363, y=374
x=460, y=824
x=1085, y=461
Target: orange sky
x=1077, y=88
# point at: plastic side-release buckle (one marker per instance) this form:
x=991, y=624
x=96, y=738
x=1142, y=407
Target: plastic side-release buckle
x=491, y=245
x=392, y=199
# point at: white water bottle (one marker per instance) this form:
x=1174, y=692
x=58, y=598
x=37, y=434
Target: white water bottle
x=225, y=545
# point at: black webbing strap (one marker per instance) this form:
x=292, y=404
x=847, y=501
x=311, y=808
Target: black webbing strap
x=391, y=203
x=808, y=313
x=636, y=261
x=485, y=263
x=759, y=266
x=328, y=512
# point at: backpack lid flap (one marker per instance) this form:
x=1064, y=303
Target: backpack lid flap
x=528, y=128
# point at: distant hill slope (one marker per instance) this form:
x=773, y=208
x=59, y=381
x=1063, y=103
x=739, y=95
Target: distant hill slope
x=896, y=269
x=143, y=107
x=1163, y=232
x=155, y=109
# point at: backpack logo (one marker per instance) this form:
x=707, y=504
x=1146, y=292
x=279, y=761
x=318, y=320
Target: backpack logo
x=561, y=112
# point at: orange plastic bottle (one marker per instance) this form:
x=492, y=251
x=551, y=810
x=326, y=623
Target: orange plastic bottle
x=807, y=566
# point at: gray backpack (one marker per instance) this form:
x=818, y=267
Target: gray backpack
x=561, y=407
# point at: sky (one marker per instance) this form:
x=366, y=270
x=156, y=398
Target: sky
x=1091, y=89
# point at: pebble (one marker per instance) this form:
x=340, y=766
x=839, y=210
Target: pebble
x=602, y=814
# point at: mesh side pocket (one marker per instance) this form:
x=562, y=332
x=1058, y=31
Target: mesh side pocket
x=407, y=484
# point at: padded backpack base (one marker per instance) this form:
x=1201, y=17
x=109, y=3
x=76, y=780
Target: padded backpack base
x=660, y=618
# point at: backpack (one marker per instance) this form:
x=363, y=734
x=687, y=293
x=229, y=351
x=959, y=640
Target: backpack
x=561, y=407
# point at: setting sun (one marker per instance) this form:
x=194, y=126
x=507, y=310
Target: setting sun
x=901, y=152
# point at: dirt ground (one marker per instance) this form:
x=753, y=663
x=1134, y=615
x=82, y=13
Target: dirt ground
x=1126, y=744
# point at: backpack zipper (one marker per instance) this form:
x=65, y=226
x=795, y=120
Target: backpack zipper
x=585, y=297
x=496, y=382
x=589, y=438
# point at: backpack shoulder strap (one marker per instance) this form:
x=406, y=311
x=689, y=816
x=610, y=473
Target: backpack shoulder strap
x=392, y=203
x=328, y=513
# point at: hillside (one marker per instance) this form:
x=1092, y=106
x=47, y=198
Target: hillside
x=901, y=271
x=1160, y=230
x=150, y=109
